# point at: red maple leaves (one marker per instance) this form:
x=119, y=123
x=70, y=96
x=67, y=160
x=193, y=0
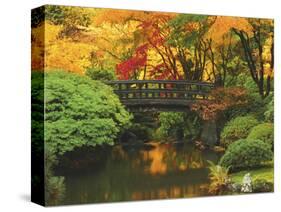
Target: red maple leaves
x=128, y=68
x=155, y=33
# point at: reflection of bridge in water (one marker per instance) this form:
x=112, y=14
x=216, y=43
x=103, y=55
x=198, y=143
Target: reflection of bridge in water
x=169, y=95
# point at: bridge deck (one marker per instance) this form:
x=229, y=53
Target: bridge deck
x=160, y=93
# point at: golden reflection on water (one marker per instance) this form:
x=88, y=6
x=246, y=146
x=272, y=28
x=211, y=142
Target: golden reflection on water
x=172, y=192
x=164, y=157
x=156, y=156
x=161, y=159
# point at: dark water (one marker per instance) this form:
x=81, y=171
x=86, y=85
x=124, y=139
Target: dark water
x=156, y=171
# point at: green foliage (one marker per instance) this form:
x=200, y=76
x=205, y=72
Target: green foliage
x=102, y=75
x=55, y=14
x=141, y=131
x=237, y=76
x=171, y=123
x=142, y=127
x=244, y=154
x=256, y=105
x=262, y=185
x=179, y=36
x=269, y=113
x=244, y=80
x=266, y=172
x=179, y=125
x=60, y=15
x=264, y=132
x=80, y=111
x=37, y=134
x=37, y=115
x=219, y=178
x=262, y=178
x=237, y=128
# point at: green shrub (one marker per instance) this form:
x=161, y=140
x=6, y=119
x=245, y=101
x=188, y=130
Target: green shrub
x=264, y=132
x=242, y=80
x=269, y=113
x=171, y=123
x=179, y=125
x=262, y=185
x=142, y=132
x=256, y=105
x=37, y=115
x=102, y=75
x=80, y=111
x=244, y=154
x=237, y=128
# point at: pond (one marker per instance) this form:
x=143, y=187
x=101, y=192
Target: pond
x=153, y=171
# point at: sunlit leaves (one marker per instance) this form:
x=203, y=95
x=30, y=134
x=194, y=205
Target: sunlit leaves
x=224, y=24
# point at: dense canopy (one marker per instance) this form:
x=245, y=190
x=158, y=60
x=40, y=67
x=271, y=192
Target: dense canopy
x=154, y=45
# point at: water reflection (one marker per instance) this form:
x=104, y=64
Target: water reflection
x=155, y=171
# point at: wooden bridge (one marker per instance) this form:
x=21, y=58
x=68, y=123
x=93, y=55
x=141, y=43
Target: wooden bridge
x=163, y=95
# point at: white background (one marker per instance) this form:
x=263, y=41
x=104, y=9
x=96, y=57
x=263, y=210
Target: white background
x=15, y=104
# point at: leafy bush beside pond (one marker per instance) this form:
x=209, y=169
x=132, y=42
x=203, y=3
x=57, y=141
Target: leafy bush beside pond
x=237, y=128
x=244, y=154
x=171, y=124
x=80, y=111
x=179, y=125
x=264, y=132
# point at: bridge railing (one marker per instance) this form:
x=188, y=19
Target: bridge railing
x=161, y=89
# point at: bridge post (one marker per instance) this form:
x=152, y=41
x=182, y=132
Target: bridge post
x=165, y=87
x=127, y=87
x=140, y=90
x=146, y=87
x=120, y=88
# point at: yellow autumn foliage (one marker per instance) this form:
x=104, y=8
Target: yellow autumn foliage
x=222, y=26
x=112, y=36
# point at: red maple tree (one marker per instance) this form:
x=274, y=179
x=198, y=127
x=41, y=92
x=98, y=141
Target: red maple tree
x=129, y=68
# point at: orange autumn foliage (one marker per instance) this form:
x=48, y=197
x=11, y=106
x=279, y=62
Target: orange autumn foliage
x=223, y=25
